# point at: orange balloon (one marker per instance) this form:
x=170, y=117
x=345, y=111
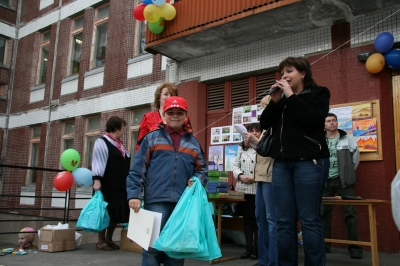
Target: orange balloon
x=375, y=63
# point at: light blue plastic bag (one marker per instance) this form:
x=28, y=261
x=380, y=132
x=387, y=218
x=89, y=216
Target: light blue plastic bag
x=190, y=231
x=94, y=216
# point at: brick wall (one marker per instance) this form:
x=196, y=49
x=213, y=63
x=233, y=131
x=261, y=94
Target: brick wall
x=349, y=81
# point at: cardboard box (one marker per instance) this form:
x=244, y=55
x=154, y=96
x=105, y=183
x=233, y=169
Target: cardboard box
x=57, y=240
x=127, y=244
x=235, y=194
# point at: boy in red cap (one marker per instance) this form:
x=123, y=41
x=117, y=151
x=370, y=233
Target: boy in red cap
x=163, y=166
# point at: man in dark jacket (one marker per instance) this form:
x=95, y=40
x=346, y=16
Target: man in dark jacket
x=344, y=159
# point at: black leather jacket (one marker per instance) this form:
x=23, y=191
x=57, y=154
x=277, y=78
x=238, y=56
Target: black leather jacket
x=298, y=124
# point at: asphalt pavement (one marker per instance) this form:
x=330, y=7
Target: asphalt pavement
x=87, y=255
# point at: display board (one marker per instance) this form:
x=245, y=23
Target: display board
x=362, y=120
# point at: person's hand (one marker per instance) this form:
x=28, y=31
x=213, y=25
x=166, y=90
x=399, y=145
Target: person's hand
x=190, y=182
x=135, y=204
x=250, y=138
x=285, y=87
x=96, y=185
x=246, y=179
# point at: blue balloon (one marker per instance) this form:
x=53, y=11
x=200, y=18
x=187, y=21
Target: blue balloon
x=146, y=2
x=384, y=42
x=82, y=176
x=392, y=58
x=158, y=2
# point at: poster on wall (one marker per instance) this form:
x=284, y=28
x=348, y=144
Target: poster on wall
x=246, y=114
x=216, y=158
x=216, y=135
x=230, y=156
x=365, y=135
x=357, y=120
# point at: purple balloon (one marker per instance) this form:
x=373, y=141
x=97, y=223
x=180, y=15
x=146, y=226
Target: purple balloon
x=384, y=42
x=392, y=58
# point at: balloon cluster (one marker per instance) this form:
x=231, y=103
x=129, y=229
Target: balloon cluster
x=385, y=54
x=155, y=12
x=64, y=180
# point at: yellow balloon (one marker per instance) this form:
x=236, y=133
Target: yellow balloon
x=168, y=11
x=152, y=13
x=375, y=63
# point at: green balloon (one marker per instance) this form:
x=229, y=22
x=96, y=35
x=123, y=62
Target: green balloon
x=156, y=27
x=70, y=159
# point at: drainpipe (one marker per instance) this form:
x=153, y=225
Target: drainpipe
x=53, y=71
x=9, y=93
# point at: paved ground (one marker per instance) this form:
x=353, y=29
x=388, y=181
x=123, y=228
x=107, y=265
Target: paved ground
x=88, y=255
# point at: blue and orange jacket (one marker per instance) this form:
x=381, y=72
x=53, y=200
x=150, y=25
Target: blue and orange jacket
x=161, y=170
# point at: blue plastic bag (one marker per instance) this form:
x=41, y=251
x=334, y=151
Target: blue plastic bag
x=94, y=216
x=190, y=231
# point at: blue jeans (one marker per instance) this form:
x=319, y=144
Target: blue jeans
x=267, y=227
x=153, y=257
x=298, y=187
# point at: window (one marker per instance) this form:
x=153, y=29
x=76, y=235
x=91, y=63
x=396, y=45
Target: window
x=3, y=42
x=241, y=92
x=136, y=118
x=34, y=154
x=76, y=45
x=100, y=41
x=68, y=135
x=44, y=57
x=5, y=2
x=92, y=133
x=140, y=34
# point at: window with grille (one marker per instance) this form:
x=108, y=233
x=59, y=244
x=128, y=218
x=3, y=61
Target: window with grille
x=92, y=133
x=100, y=39
x=239, y=91
x=34, y=153
x=43, y=57
x=76, y=45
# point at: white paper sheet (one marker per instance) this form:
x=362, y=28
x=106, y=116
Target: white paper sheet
x=140, y=227
x=242, y=129
x=156, y=227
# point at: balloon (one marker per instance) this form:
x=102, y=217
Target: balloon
x=70, y=159
x=158, y=2
x=392, y=58
x=375, y=63
x=82, y=176
x=138, y=12
x=146, y=2
x=384, y=42
x=156, y=27
x=63, y=181
x=152, y=13
x=168, y=11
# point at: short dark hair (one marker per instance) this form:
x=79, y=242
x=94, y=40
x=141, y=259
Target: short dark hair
x=250, y=127
x=115, y=123
x=331, y=114
x=172, y=88
x=301, y=64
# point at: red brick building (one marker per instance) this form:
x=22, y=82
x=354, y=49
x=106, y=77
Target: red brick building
x=68, y=65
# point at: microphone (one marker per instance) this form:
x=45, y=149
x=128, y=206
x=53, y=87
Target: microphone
x=274, y=89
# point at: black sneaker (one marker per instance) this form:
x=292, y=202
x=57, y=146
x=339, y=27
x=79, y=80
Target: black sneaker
x=356, y=255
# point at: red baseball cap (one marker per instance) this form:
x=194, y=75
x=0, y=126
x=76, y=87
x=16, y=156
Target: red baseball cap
x=175, y=101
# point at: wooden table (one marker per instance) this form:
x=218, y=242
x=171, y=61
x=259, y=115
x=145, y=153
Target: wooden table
x=218, y=203
x=371, y=203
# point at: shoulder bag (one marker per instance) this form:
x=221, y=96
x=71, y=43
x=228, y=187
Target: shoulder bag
x=265, y=144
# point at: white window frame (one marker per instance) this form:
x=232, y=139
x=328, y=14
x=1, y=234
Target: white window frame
x=134, y=129
x=86, y=162
x=3, y=63
x=97, y=23
x=140, y=25
x=43, y=44
x=33, y=140
x=74, y=32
